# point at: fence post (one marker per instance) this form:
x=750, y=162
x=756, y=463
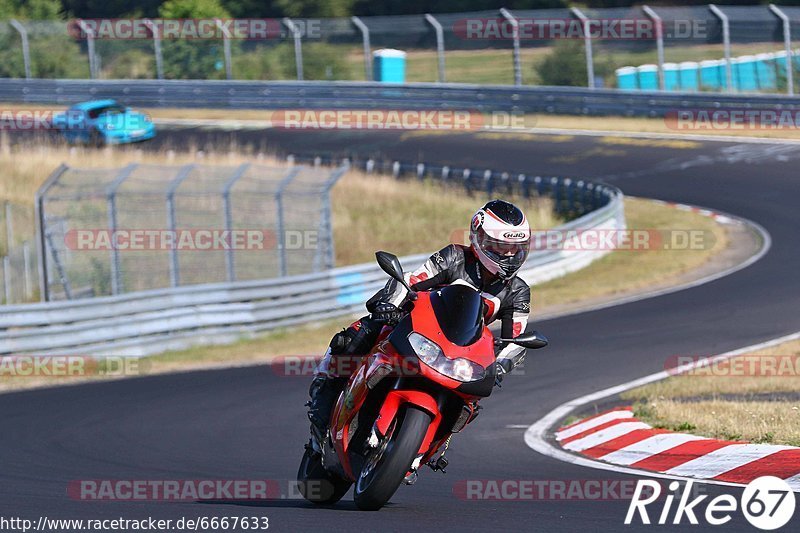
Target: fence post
x=9, y=227
x=439, y=43
x=325, y=223
x=228, y=214
x=587, y=43
x=156, y=48
x=726, y=43
x=7, y=278
x=111, y=201
x=281, y=224
x=26, y=264
x=41, y=230
x=26, y=53
x=174, y=272
x=298, y=46
x=93, y=74
x=787, y=43
x=515, y=29
x=226, y=48
x=367, y=48
x=659, y=25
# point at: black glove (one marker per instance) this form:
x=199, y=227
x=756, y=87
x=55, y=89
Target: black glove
x=387, y=313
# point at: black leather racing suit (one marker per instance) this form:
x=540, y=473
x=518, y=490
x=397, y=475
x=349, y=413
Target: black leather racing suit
x=506, y=300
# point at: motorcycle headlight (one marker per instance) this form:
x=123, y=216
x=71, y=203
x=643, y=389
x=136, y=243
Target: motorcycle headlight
x=431, y=354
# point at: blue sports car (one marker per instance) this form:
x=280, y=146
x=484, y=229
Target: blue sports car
x=100, y=122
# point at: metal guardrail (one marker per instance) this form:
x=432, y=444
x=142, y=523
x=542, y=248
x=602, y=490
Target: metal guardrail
x=361, y=95
x=147, y=322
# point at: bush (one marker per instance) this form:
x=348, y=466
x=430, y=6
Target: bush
x=566, y=65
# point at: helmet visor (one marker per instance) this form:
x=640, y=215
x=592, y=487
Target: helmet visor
x=507, y=254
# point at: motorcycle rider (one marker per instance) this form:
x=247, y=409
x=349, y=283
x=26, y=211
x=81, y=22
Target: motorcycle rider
x=499, y=245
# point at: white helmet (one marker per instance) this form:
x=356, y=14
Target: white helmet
x=500, y=237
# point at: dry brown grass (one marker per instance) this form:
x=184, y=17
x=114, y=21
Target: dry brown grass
x=775, y=422
x=625, y=271
x=724, y=402
x=405, y=217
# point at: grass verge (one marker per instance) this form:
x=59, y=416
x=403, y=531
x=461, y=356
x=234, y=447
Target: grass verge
x=412, y=216
x=752, y=397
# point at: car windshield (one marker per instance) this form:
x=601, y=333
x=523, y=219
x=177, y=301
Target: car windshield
x=114, y=109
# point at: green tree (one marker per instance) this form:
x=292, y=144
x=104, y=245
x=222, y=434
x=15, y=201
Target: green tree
x=193, y=59
x=316, y=8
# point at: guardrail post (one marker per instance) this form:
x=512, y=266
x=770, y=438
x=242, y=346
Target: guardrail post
x=26, y=53
x=228, y=214
x=280, y=223
x=174, y=272
x=787, y=43
x=587, y=43
x=93, y=70
x=156, y=48
x=515, y=35
x=7, y=278
x=226, y=48
x=726, y=43
x=659, y=26
x=326, y=228
x=439, y=43
x=367, y=48
x=298, y=46
x=111, y=200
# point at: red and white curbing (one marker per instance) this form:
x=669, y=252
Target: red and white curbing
x=617, y=437
x=719, y=217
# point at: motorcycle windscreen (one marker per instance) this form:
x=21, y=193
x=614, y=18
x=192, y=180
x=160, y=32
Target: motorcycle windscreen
x=459, y=311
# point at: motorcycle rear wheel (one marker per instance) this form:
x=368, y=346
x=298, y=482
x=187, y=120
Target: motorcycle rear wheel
x=316, y=484
x=387, y=465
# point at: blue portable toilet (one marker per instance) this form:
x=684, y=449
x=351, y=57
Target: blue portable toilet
x=689, y=74
x=766, y=72
x=648, y=77
x=744, y=73
x=711, y=73
x=671, y=79
x=389, y=65
x=627, y=78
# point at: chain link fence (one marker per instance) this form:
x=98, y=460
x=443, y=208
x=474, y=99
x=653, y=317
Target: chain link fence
x=112, y=231
x=18, y=253
x=502, y=47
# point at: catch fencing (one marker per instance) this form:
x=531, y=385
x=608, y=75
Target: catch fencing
x=18, y=254
x=341, y=48
x=143, y=227
x=146, y=322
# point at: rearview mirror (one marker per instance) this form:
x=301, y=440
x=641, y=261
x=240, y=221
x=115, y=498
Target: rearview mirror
x=390, y=264
x=532, y=341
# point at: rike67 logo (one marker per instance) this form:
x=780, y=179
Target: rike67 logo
x=768, y=503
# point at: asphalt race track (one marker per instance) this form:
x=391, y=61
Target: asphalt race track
x=250, y=423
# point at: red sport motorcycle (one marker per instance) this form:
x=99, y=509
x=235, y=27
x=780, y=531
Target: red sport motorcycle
x=418, y=386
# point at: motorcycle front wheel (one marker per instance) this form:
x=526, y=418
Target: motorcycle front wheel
x=316, y=484
x=387, y=465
